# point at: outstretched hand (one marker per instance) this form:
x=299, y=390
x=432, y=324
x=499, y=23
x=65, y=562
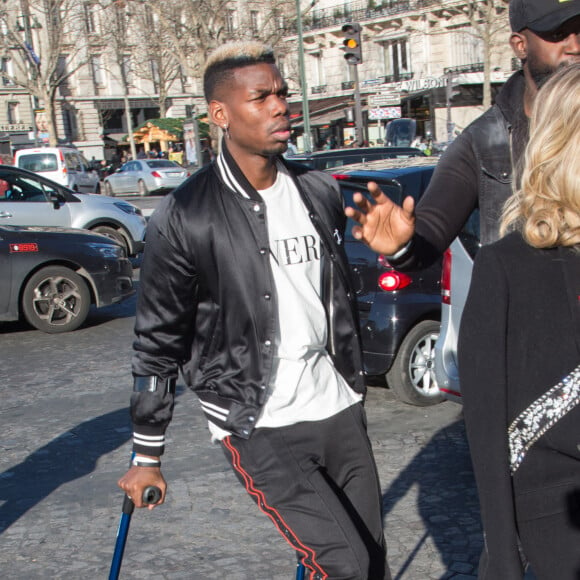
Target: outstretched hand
x=383, y=225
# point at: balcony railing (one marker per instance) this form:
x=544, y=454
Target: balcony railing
x=319, y=89
x=347, y=85
x=358, y=11
x=464, y=68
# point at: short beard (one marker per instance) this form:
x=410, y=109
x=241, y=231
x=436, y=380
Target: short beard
x=540, y=73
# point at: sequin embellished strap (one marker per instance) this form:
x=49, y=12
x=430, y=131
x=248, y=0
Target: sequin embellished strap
x=542, y=415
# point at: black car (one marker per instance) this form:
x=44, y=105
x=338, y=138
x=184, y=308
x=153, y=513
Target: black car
x=51, y=276
x=399, y=312
x=338, y=157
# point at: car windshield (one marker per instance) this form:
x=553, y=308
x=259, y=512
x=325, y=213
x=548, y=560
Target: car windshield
x=160, y=163
x=38, y=162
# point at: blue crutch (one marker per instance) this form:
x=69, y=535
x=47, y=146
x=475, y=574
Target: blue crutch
x=151, y=495
x=300, y=571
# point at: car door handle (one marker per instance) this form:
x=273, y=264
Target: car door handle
x=5, y=214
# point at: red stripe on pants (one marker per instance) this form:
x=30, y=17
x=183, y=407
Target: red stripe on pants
x=308, y=555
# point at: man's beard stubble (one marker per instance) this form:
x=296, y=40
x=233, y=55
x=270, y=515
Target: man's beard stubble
x=540, y=72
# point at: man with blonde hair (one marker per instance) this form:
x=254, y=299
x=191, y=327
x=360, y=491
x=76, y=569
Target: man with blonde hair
x=245, y=289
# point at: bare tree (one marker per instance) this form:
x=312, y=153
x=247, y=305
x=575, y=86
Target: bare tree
x=115, y=40
x=156, y=59
x=43, y=39
x=488, y=23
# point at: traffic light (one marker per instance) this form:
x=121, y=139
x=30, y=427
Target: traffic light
x=351, y=43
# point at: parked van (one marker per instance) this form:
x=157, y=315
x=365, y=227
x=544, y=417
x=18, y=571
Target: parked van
x=65, y=165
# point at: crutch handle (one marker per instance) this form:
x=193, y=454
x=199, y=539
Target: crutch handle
x=151, y=494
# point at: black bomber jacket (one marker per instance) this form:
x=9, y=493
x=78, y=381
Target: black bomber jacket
x=207, y=303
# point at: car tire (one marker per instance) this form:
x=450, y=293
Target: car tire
x=412, y=376
x=56, y=299
x=113, y=234
x=109, y=189
x=142, y=188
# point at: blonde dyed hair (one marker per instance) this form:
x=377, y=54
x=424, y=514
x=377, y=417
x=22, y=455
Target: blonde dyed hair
x=221, y=63
x=546, y=209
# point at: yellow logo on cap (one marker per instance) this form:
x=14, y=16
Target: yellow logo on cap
x=562, y=1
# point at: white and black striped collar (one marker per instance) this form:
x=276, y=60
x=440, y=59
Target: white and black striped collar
x=233, y=176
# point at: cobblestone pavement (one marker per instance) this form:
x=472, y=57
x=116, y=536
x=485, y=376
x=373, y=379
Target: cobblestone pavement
x=66, y=440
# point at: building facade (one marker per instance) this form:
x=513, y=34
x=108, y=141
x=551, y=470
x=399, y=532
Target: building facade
x=422, y=59
x=89, y=72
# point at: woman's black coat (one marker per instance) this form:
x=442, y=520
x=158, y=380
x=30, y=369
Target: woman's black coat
x=520, y=335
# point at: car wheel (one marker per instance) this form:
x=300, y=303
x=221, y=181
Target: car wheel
x=56, y=299
x=412, y=374
x=113, y=234
x=109, y=189
x=142, y=188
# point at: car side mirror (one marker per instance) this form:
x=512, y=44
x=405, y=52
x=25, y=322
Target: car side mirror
x=57, y=199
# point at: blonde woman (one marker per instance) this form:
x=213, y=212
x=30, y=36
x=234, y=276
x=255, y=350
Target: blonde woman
x=519, y=356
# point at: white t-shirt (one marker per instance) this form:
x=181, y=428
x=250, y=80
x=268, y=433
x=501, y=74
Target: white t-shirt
x=305, y=384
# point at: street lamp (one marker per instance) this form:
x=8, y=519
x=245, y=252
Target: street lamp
x=34, y=61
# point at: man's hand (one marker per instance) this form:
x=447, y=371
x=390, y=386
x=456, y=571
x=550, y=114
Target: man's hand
x=134, y=482
x=383, y=225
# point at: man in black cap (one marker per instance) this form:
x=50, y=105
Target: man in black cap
x=481, y=167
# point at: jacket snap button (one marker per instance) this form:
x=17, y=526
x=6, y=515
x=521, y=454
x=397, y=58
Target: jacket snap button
x=251, y=419
x=262, y=251
x=267, y=343
x=256, y=208
x=267, y=297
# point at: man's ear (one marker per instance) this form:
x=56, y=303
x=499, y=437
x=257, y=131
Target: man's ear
x=218, y=114
x=519, y=44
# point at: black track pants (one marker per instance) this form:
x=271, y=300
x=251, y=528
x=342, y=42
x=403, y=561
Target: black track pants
x=318, y=483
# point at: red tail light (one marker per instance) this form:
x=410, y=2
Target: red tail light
x=156, y=174
x=27, y=247
x=340, y=177
x=64, y=167
x=446, y=277
x=391, y=281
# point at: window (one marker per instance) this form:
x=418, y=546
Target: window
x=17, y=188
x=7, y=71
x=318, y=78
x=465, y=48
x=90, y=17
x=13, y=113
x=230, y=21
x=282, y=66
x=126, y=69
x=155, y=75
x=396, y=58
x=254, y=21
x=97, y=71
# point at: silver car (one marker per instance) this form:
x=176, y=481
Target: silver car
x=145, y=176
x=27, y=199
x=455, y=281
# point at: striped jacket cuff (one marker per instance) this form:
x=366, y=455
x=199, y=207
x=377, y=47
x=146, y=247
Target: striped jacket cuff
x=147, y=444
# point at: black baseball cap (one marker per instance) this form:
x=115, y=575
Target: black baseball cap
x=542, y=15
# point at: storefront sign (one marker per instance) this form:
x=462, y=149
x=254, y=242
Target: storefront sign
x=385, y=113
x=425, y=84
x=15, y=128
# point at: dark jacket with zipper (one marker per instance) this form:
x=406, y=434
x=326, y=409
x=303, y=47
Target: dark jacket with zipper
x=519, y=337
x=207, y=302
x=477, y=170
